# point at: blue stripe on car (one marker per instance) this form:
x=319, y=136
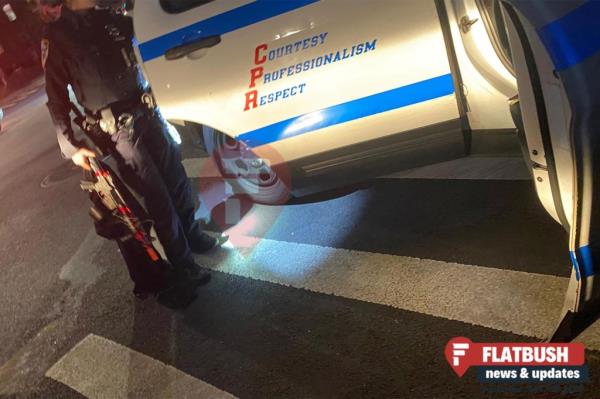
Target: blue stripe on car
x=583, y=262
x=575, y=264
x=574, y=37
x=360, y=108
x=220, y=24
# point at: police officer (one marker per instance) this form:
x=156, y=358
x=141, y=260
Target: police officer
x=90, y=48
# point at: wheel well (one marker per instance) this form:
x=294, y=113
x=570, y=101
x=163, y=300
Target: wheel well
x=196, y=133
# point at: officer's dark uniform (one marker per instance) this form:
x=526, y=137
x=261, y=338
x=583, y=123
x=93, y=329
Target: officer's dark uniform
x=92, y=51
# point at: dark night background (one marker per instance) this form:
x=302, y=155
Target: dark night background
x=19, y=44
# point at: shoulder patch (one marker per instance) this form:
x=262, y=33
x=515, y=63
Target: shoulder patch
x=45, y=48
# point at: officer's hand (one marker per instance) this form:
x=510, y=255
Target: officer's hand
x=81, y=158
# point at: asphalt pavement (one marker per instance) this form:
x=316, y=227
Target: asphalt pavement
x=349, y=297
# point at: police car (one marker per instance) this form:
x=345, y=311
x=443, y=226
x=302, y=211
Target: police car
x=324, y=92
x=297, y=96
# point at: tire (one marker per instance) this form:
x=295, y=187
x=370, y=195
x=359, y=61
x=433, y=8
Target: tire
x=246, y=172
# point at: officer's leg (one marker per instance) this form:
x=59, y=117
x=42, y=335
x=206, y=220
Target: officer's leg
x=167, y=157
x=139, y=171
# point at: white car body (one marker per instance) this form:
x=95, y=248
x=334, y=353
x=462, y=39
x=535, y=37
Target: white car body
x=325, y=90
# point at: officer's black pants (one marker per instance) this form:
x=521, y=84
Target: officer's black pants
x=150, y=163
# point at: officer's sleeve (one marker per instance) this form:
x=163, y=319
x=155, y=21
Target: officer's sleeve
x=59, y=104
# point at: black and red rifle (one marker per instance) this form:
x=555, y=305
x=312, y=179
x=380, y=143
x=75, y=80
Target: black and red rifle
x=104, y=186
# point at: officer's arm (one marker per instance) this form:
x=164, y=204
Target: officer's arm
x=59, y=104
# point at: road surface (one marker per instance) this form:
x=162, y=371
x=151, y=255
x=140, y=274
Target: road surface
x=350, y=297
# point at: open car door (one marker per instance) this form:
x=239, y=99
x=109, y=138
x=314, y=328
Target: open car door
x=556, y=54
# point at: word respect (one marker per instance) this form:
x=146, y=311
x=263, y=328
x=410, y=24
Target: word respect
x=262, y=54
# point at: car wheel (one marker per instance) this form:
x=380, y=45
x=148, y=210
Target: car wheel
x=245, y=171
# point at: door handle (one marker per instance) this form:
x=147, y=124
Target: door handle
x=181, y=51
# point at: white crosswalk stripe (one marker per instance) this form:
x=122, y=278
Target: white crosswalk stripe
x=99, y=368
x=523, y=303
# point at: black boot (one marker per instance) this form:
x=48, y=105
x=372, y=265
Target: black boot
x=187, y=269
x=182, y=282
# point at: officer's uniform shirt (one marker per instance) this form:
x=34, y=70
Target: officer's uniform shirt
x=91, y=51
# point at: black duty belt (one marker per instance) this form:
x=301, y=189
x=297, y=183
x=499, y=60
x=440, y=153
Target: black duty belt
x=144, y=100
x=122, y=114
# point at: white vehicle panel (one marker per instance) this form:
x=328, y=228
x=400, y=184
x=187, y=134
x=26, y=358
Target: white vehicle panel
x=157, y=22
x=415, y=116
x=338, y=102
x=487, y=98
